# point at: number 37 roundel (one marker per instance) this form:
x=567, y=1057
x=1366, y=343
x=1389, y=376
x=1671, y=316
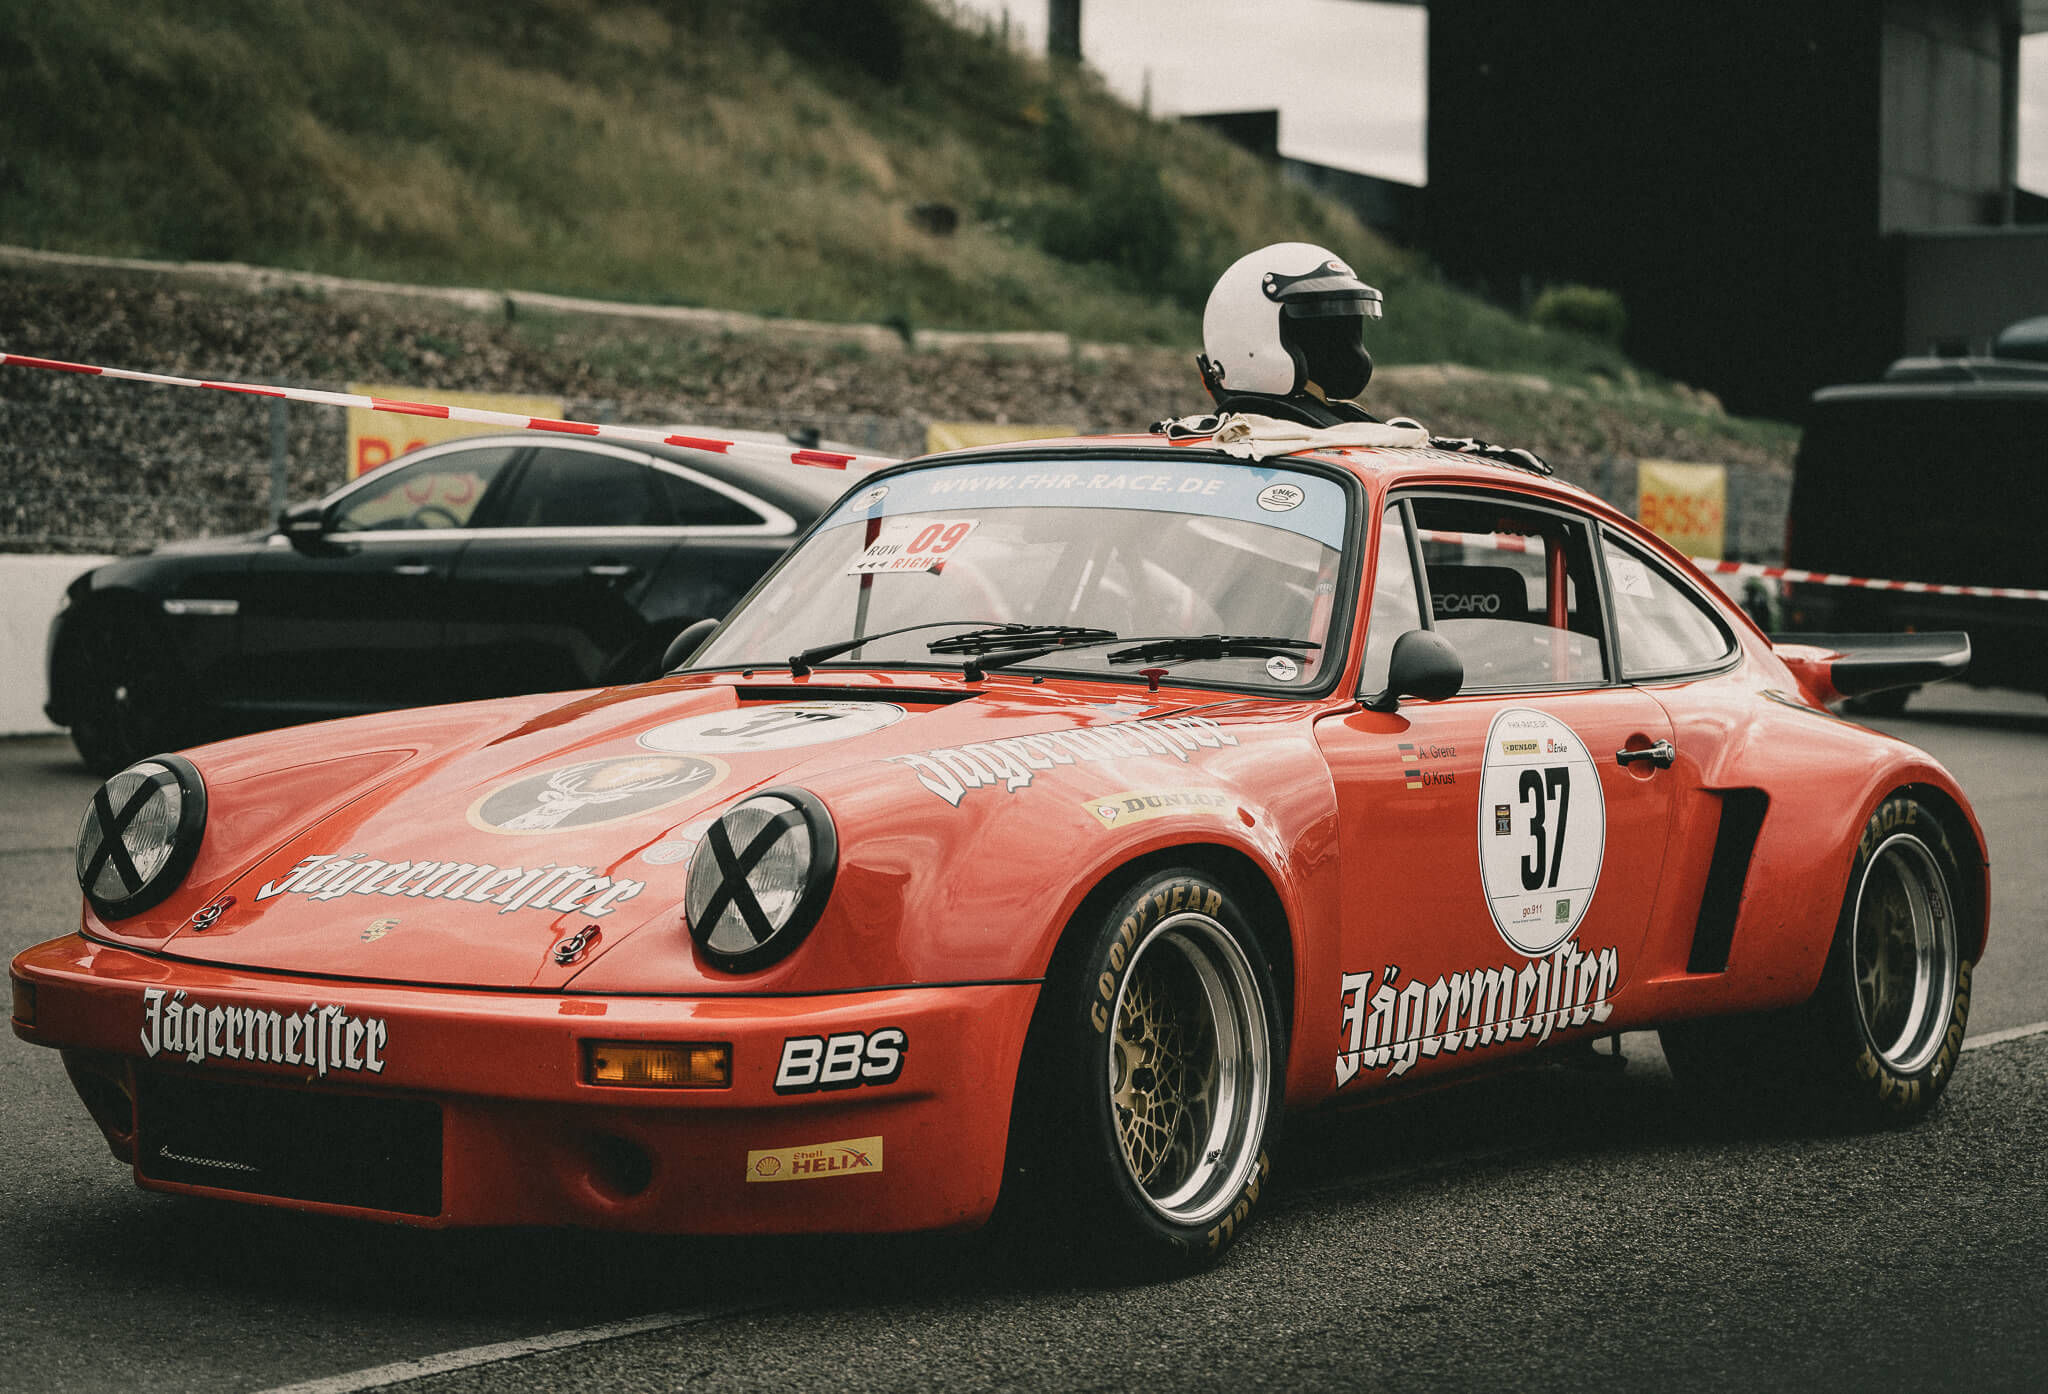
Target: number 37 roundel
x=1542, y=829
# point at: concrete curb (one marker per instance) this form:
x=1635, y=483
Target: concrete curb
x=263, y=280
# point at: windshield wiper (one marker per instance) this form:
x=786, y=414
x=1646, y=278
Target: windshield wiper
x=1186, y=647
x=800, y=663
x=1011, y=636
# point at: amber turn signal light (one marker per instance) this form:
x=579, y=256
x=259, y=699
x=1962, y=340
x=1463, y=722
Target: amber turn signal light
x=24, y=1000
x=652, y=1065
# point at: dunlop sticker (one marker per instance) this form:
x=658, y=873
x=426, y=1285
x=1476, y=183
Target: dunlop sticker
x=1137, y=805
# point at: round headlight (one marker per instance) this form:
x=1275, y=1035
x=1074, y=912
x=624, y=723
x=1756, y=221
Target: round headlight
x=760, y=877
x=140, y=835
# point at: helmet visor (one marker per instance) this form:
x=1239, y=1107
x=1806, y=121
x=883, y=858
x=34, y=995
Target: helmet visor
x=1329, y=289
x=1362, y=303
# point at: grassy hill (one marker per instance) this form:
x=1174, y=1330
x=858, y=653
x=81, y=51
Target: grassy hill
x=771, y=156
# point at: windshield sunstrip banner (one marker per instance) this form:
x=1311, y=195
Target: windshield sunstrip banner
x=1306, y=504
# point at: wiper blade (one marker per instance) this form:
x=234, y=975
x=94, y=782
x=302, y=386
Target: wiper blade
x=1188, y=647
x=800, y=663
x=1011, y=636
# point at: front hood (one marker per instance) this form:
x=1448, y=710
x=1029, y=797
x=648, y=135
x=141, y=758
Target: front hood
x=474, y=864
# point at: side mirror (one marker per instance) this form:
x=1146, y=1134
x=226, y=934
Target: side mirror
x=1423, y=665
x=684, y=646
x=304, y=525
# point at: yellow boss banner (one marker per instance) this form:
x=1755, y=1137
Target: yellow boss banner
x=1686, y=505
x=377, y=436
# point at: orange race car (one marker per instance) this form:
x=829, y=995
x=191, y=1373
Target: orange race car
x=1049, y=822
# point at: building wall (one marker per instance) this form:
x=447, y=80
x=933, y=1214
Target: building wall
x=1729, y=169
x=1945, y=144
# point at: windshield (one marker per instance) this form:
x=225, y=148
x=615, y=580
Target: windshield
x=1144, y=549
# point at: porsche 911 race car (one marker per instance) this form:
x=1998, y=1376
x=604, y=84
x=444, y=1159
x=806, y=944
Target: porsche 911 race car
x=1046, y=824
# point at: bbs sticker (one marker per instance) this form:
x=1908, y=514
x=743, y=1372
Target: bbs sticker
x=841, y=1061
x=1541, y=862
x=772, y=728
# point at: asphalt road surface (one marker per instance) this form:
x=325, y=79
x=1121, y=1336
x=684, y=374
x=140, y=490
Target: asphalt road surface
x=1555, y=1229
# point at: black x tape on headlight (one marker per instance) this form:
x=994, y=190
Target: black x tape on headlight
x=140, y=835
x=759, y=879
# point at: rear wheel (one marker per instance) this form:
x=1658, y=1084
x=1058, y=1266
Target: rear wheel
x=1881, y=1035
x=123, y=697
x=1154, y=1079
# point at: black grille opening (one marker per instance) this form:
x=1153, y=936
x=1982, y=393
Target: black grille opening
x=298, y=1144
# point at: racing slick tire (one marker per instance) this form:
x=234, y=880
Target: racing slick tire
x=1153, y=1081
x=123, y=692
x=1879, y=1039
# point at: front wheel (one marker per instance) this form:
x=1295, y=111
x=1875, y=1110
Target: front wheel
x=1156, y=1076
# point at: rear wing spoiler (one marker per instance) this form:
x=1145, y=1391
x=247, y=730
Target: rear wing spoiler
x=1833, y=666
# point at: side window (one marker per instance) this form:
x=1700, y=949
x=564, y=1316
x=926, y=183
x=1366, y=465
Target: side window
x=692, y=505
x=1661, y=626
x=441, y=492
x=584, y=489
x=1512, y=589
x=1394, y=607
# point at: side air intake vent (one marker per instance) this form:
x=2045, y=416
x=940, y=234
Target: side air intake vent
x=1742, y=818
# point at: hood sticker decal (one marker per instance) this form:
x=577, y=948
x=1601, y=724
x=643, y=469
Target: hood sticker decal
x=557, y=889
x=592, y=792
x=1010, y=763
x=772, y=728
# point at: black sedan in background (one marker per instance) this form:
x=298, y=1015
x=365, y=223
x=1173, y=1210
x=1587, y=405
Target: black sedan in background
x=484, y=567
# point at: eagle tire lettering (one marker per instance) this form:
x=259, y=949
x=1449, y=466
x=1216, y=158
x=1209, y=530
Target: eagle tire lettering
x=1876, y=1089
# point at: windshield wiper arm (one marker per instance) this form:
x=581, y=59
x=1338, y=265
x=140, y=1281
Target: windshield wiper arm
x=800, y=663
x=1187, y=647
x=1011, y=636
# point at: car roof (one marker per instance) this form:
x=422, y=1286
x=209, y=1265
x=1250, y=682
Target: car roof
x=804, y=491
x=1378, y=467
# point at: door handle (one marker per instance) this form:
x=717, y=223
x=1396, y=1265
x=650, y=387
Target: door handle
x=1661, y=755
x=412, y=568
x=609, y=571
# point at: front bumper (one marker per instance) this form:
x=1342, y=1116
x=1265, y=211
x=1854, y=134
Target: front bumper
x=522, y=1138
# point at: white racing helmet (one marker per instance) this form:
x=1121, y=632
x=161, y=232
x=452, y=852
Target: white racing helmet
x=1285, y=316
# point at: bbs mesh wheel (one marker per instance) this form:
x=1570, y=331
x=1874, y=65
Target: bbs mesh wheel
x=1881, y=1036
x=1155, y=1077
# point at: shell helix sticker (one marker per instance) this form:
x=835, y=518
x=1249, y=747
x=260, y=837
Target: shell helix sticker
x=1542, y=829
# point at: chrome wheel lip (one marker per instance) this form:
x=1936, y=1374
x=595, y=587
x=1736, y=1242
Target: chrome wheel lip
x=1243, y=1081
x=1931, y=922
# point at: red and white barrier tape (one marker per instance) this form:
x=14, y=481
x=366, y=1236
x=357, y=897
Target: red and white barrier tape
x=644, y=435
x=1509, y=542
x=1829, y=578
x=827, y=459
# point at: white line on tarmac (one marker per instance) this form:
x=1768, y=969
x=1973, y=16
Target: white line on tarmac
x=383, y=1376
x=398, y=1372
x=2013, y=1033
